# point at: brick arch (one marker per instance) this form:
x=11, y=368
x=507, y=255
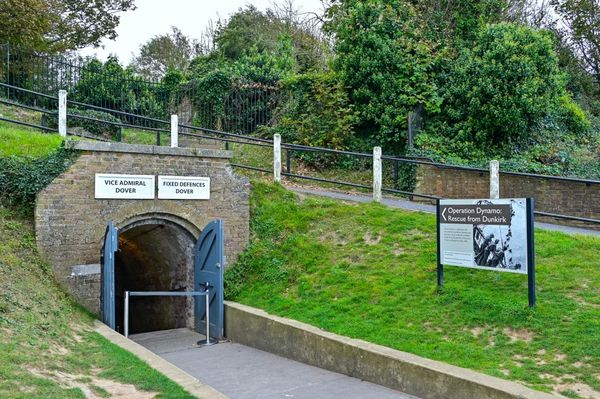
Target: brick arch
x=70, y=222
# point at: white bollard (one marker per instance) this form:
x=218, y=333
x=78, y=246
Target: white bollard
x=277, y=158
x=62, y=113
x=174, y=131
x=494, y=179
x=377, y=174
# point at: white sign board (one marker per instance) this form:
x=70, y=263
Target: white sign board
x=112, y=186
x=484, y=234
x=184, y=187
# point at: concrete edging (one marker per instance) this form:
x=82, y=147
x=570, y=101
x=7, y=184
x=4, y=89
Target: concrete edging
x=186, y=381
x=411, y=374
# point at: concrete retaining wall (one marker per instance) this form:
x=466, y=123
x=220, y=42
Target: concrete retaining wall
x=402, y=371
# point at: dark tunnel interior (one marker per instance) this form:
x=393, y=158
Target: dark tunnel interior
x=154, y=256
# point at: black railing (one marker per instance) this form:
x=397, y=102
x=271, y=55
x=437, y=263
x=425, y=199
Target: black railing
x=359, y=161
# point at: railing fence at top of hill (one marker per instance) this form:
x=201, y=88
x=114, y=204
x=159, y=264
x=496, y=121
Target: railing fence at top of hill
x=362, y=171
x=241, y=108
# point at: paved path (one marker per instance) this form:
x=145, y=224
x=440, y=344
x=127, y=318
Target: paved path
x=242, y=372
x=416, y=206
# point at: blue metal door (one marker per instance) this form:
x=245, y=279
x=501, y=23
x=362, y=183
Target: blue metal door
x=208, y=271
x=107, y=274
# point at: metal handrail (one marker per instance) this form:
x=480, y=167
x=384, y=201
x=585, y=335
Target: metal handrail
x=167, y=293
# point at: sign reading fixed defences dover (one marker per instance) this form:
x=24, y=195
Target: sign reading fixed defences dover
x=183, y=187
x=111, y=186
x=485, y=234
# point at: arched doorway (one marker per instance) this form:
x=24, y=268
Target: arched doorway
x=154, y=257
x=155, y=254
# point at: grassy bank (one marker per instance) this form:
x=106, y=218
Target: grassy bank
x=48, y=348
x=369, y=272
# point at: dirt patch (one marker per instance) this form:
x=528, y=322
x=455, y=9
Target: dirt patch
x=398, y=250
x=559, y=357
x=57, y=349
x=582, y=390
x=85, y=383
x=416, y=233
x=370, y=239
x=477, y=331
x=518, y=334
x=335, y=237
x=583, y=302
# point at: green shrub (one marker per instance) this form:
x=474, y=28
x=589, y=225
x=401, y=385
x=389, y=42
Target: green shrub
x=496, y=94
x=22, y=178
x=97, y=128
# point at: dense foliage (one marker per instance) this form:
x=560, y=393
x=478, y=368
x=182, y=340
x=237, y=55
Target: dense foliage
x=471, y=80
x=21, y=178
x=385, y=64
x=496, y=94
x=60, y=25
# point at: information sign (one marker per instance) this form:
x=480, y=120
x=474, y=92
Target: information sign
x=184, y=187
x=114, y=186
x=486, y=234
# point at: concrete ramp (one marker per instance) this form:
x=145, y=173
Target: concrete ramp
x=242, y=372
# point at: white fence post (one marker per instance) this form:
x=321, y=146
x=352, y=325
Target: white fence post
x=174, y=131
x=494, y=179
x=277, y=158
x=377, y=174
x=62, y=113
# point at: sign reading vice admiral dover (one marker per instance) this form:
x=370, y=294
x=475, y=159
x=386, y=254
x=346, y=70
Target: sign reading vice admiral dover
x=113, y=186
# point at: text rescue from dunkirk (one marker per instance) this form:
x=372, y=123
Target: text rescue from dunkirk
x=113, y=186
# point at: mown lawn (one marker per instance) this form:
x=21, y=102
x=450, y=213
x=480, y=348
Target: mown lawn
x=369, y=272
x=48, y=348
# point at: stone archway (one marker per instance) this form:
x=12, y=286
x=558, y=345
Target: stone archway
x=155, y=254
x=71, y=221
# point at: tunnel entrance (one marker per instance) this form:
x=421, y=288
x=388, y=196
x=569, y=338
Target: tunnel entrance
x=154, y=255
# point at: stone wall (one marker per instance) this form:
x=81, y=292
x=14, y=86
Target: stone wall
x=553, y=196
x=70, y=222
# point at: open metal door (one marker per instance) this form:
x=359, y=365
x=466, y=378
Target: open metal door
x=107, y=274
x=208, y=270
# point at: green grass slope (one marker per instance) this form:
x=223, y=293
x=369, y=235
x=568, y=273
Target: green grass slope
x=369, y=272
x=48, y=348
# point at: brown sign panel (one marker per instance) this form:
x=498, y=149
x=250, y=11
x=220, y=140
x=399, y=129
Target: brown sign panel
x=476, y=214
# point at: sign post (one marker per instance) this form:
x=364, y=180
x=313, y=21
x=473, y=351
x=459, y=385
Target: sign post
x=489, y=234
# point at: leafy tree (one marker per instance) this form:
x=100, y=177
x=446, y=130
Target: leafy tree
x=60, y=25
x=582, y=18
x=24, y=22
x=385, y=64
x=164, y=52
x=498, y=93
x=252, y=30
x=316, y=112
x=111, y=86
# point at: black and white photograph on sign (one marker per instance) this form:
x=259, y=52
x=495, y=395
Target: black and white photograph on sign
x=502, y=246
x=484, y=234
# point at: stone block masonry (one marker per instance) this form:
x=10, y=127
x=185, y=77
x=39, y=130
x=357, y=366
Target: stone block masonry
x=70, y=222
x=554, y=196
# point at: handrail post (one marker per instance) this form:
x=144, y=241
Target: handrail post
x=174, y=131
x=126, y=316
x=277, y=158
x=207, y=316
x=377, y=174
x=62, y=113
x=494, y=179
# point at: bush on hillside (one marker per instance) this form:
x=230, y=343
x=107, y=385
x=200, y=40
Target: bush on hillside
x=22, y=178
